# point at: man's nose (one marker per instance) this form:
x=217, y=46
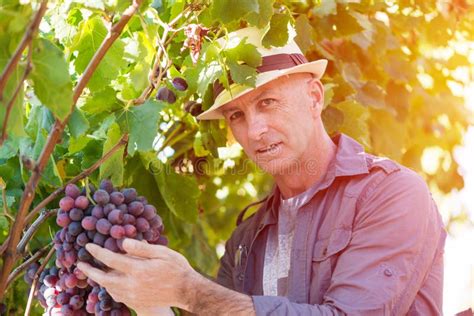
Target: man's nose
x=257, y=127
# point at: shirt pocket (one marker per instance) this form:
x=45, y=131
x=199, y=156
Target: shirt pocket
x=326, y=251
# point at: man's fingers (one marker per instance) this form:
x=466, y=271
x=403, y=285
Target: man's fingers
x=111, y=259
x=97, y=275
x=144, y=250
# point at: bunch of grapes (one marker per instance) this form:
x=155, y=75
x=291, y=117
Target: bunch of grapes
x=104, y=217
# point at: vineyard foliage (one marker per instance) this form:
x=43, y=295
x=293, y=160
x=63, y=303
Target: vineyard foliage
x=393, y=83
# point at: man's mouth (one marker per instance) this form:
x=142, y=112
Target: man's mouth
x=269, y=149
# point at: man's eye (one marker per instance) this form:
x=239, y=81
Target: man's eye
x=235, y=115
x=268, y=101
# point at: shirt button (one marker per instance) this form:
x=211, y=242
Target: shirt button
x=240, y=276
x=388, y=272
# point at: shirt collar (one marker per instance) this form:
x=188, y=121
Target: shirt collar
x=350, y=160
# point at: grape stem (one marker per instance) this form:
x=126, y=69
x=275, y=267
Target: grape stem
x=10, y=255
x=33, y=228
x=15, y=273
x=35, y=280
x=25, y=41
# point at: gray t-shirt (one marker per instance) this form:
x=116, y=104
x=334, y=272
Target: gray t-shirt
x=279, y=244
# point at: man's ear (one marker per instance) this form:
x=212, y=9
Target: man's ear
x=316, y=91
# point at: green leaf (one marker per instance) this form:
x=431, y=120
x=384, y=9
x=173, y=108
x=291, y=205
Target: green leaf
x=305, y=33
x=391, y=134
x=180, y=192
x=15, y=122
x=245, y=53
x=87, y=41
x=230, y=10
x=242, y=74
x=76, y=145
x=355, y=121
x=142, y=124
x=52, y=83
x=104, y=100
x=277, y=35
x=78, y=124
x=3, y=223
x=198, y=146
x=207, y=75
x=112, y=168
x=261, y=18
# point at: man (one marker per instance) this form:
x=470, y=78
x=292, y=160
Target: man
x=342, y=233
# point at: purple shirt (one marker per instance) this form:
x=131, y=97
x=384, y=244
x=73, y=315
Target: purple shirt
x=369, y=242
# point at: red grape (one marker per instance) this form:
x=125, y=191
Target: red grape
x=103, y=226
x=76, y=214
x=130, y=231
x=98, y=211
x=117, y=198
x=81, y=202
x=180, y=84
x=107, y=185
x=66, y=203
x=72, y=191
x=89, y=222
x=142, y=225
x=130, y=194
x=111, y=244
x=115, y=217
x=117, y=231
x=101, y=197
x=63, y=220
x=135, y=208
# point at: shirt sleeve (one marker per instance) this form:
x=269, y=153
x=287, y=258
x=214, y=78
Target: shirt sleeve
x=395, y=237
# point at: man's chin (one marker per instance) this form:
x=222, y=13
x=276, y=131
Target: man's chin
x=276, y=167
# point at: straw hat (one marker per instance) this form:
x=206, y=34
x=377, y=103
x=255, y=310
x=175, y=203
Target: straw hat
x=276, y=62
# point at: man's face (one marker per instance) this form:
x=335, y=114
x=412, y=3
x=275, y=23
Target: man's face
x=276, y=123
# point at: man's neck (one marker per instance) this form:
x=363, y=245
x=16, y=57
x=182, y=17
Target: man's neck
x=314, y=167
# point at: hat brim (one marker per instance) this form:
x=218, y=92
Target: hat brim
x=213, y=113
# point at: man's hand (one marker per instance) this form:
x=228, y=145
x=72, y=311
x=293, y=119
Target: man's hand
x=151, y=277
x=146, y=277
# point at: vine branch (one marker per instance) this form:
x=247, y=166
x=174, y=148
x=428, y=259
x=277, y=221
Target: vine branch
x=33, y=228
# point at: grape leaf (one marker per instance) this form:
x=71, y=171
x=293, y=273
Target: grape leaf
x=355, y=121
x=242, y=74
x=78, y=124
x=112, y=168
x=87, y=41
x=52, y=83
x=15, y=122
x=230, y=10
x=180, y=192
x=245, y=53
x=261, y=18
x=142, y=124
x=277, y=35
x=305, y=33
